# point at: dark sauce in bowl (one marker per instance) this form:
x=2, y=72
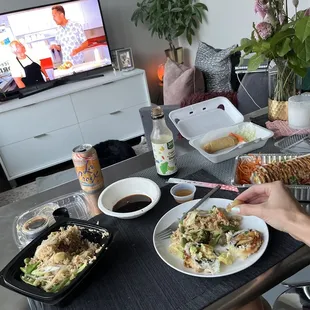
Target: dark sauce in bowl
x=132, y=203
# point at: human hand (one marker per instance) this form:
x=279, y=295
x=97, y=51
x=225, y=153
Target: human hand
x=53, y=46
x=274, y=203
x=74, y=52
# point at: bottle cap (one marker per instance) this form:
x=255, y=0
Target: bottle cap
x=157, y=112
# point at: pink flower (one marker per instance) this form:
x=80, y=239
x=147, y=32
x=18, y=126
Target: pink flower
x=307, y=12
x=261, y=7
x=264, y=30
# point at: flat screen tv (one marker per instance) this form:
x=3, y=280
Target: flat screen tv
x=50, y=45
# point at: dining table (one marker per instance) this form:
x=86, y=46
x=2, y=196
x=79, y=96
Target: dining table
x=155, y=281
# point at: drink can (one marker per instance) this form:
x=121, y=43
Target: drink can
x=87, y=168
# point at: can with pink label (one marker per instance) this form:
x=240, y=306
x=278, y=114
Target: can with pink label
x=87, y=168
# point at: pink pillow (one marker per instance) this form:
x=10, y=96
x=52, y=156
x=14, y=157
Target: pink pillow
x=180, y=82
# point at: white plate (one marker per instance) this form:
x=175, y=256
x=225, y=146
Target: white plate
x=161, y=246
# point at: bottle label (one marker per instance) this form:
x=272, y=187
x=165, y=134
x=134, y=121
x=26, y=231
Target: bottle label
x=165, y=159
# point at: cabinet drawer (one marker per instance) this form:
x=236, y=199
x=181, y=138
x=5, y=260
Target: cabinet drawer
x=110, y=98
x=37, y=153
x=123, y=125
x=30, y=121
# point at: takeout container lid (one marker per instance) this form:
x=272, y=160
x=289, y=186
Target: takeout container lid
x=213, y=119
x=73, y=202
x=10, y=275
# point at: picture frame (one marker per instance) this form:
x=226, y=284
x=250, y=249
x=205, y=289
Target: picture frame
x=125, y=60
x=114, y=58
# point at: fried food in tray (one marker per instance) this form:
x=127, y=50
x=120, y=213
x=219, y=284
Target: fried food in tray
x=291, y=172
x=66, y=65
x=223, y=143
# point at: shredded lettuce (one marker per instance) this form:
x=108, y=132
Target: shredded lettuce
x=177, y=250
x=226, y=258
x=247, y=131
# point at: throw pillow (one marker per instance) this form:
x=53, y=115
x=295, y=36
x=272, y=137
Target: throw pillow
x=216, y=67
x=180, y=82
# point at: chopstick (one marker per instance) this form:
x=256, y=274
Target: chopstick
x=204, y=184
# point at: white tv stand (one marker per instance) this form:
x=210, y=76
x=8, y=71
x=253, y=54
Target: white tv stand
x=41, y=130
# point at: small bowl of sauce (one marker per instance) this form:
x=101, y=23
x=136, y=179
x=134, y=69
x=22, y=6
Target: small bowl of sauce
x=183, y=192
x=34, y=227
x=129, y=198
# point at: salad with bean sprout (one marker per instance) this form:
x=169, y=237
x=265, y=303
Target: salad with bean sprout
x=59, y=259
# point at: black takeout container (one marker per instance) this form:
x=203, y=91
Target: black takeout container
x=10, y=275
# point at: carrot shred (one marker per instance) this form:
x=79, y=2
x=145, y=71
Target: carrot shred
x=245, y=169
x=238, y=137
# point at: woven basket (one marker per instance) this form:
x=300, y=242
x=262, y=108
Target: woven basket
x=277, y=110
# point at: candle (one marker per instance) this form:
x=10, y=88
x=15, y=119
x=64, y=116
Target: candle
x=299, y=112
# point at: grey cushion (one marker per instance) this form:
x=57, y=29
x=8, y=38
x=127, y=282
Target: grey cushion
x=256, y=85
x=215, y=66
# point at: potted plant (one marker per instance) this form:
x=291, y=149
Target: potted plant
x=170, y=19
x=283, y=41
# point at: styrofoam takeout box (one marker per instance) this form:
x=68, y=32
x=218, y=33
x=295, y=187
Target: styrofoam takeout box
x=215, y=118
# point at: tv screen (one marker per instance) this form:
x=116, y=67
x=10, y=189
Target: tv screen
x=51, y=43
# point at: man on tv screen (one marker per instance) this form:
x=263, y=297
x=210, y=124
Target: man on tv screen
x=70, y=37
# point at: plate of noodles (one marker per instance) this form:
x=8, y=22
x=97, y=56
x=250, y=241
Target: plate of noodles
x=210, y=241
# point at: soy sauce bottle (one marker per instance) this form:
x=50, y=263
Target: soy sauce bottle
x=163, y=145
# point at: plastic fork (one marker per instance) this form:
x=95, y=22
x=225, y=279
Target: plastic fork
x=167, y=232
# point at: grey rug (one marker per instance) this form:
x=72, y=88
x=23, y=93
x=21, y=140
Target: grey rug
x=44, y=183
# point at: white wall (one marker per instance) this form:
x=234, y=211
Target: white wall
x=227, y=22
x=148, y=52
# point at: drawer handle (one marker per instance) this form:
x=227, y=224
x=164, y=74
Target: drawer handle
x=40, y=136
x=116, y=112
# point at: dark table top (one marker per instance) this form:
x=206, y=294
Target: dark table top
x=134, y=277
x=192, y=161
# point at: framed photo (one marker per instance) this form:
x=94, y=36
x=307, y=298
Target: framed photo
x=125, y=59
x=114, y=58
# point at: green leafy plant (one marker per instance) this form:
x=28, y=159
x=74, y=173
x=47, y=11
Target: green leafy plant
x=282, y=39
x=170, y=19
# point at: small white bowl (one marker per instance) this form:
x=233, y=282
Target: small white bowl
x=128, y=187
x=180, y=187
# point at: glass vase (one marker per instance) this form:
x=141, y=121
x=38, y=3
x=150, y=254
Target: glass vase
x=282, y=85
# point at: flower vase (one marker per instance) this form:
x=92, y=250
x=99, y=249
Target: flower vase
x=282, y=85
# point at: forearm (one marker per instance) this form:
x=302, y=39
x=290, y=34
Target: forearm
x=301, y=228
x=82, y=47
x=44, y=72
x=19, y=83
